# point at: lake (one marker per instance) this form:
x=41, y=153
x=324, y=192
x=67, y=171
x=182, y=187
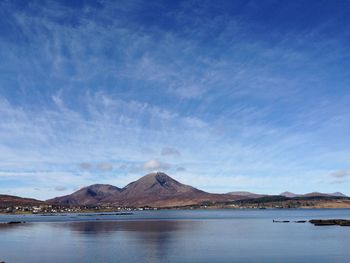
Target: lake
x=176, y=236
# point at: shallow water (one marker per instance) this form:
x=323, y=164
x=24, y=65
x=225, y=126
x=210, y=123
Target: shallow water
x=176, y=236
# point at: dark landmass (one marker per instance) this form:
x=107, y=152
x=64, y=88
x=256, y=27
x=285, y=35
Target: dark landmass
x=330, y=222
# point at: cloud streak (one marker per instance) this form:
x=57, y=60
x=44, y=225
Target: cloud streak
x=169, y=151
x=340, y=173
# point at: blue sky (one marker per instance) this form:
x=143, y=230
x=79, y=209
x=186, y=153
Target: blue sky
x=221, y=95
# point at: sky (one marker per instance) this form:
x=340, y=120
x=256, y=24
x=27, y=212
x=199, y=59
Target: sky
x=222, y=95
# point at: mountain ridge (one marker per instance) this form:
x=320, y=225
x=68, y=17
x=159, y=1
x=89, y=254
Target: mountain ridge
x=312, y=194
x=11, y=200
x=157, y=190
x=154, y=189
x=246, y=194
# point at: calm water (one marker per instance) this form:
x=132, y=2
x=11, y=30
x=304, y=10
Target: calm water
x=177, y=236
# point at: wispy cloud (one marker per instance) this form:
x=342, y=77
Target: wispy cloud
x=89, y=94
x=85, y=166
x=104, y=166
x=60, y=188
x=340, y=173
x=180, y=169
x=170, y=151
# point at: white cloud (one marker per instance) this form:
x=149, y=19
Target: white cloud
x=153, y=166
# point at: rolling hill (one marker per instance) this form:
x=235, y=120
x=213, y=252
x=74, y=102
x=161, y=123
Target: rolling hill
x=10, y=200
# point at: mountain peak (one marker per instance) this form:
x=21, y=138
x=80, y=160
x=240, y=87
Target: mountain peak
x=159, y=177
x=160, y=189
x=156, y=175
x=154, y=182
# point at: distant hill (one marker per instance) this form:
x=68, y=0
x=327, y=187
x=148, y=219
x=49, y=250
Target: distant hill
x=338, y=194
x=246, y=194
x=313, y=194
x=10, y=200
x=154, y=189
x=289, y=194
x=91, y=195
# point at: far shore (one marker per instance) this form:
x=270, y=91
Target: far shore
x=87, y=211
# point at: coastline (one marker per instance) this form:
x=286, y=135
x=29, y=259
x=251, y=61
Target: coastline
x=185, y=208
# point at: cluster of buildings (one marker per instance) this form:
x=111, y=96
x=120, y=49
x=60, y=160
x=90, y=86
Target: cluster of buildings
x=53, y=209
x=39, y=209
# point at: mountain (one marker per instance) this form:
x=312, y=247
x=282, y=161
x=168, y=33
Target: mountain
x=313, y=194
x=154, y=189
x=289, y=194
x=246, y=194
x=159, y=189
x=10, y=200
x=339, y=194
x=91, y=195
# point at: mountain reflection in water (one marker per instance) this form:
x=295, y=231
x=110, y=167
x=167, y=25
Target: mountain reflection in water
x=144, y=227
x=153, y=238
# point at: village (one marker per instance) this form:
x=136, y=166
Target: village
x=55, y=209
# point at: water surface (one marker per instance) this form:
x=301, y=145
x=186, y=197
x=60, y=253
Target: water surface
x=176, y=236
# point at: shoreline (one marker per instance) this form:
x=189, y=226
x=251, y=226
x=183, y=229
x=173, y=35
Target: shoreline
x=129, y=212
